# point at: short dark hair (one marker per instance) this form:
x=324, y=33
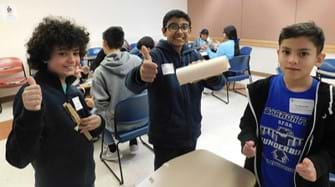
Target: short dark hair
x=114, y=36
x=54, y=32
x=147, y=41
x=204, y=31
x=176, y=14
x=306, y=29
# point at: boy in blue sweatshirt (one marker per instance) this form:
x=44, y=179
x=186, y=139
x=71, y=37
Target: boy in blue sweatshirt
x=288, y=126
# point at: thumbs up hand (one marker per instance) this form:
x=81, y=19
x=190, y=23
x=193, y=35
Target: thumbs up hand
x=307, y=170
x=32, y=96
x=148, y=69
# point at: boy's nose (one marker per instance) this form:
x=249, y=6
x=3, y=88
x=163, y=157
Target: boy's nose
x=72, y=58
x=293, y=59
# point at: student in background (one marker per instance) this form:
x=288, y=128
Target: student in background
x=125, y=46
x=175, y=116
x=146, y=41
x=108, y=87
x=98, y=59
x=43, y=133
x=203, y=42
x=230, y=47
x=101, y=55
x=287, y=130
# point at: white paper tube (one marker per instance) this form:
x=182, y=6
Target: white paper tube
x=202, y=70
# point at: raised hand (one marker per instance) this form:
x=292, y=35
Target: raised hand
x=32, y=96
x=148, y=69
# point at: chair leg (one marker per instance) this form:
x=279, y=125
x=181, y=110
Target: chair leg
x=146, y=144
x=120, y=179
x=250, y=77
x=102, y=144
x=236, y=90
x=221, y=99
x=120, y=166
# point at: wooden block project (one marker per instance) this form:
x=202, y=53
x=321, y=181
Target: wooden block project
x=76, y=118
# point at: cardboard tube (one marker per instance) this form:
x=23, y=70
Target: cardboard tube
x=202, y=70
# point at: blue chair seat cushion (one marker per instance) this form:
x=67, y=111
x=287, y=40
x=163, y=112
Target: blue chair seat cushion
x=237, y=77
x=129, y=135
x=332, y=177
x=130, y=125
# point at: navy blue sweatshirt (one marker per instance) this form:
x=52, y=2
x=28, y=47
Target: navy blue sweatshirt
x=175, y=111
x=60, y=155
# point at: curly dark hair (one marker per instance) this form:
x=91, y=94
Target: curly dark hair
x=54, y=32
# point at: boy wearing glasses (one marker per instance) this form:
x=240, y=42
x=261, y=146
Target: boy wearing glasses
x=175, y=116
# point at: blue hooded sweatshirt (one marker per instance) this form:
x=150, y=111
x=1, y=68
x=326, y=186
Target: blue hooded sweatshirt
x=175, y=111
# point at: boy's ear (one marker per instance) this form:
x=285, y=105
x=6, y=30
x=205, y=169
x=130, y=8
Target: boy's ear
x=104, y=43
x=319, y=59
x=164, y=31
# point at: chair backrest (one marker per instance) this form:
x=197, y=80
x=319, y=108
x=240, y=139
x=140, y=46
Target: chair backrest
x=11, y=65
x=327, y=69
x=246, y=50
x=239, y=63
x=332, y=178
x=133, y=111
x=92, y=52
x=132, y=46
x=12, y=73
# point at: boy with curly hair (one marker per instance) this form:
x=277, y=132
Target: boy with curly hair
x=43, y=133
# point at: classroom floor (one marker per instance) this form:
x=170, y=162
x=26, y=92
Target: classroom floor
x=219, y=135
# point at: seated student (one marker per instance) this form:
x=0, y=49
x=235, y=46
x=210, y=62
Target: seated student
x=288, y=127
x=43, y=133
x=230, y=47
x=125, y=46
x=108, y=87
x=101, y=55
x=146, y=41
x=98, y=59
x=203, y=42
x=175, y=112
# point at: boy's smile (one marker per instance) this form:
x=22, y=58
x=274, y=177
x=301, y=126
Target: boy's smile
x=177, y=32
x=64, y=61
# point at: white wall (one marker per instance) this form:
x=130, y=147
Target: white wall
x=137, y=17
x=265, y=60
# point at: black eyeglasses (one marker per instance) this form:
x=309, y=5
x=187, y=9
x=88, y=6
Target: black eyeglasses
x=174, y=27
